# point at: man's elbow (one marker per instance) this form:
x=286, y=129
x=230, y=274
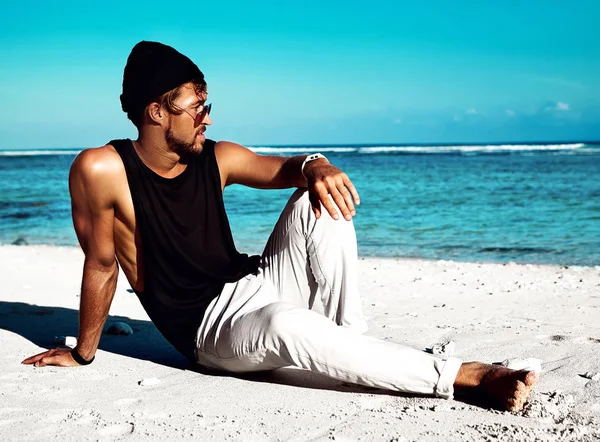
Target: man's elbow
x=103, y=265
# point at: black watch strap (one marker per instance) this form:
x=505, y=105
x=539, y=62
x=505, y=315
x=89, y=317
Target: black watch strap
x=79, y=359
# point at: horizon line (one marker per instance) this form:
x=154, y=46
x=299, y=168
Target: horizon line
x=404, y=144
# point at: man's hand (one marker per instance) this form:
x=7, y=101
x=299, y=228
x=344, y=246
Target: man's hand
x=60, y=357
x=325, y=179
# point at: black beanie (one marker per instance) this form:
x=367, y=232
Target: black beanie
x=152, y=69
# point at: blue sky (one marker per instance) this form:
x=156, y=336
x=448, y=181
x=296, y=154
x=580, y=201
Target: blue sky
x=313, y=72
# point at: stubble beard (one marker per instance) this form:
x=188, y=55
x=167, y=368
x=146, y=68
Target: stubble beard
x=182, y=148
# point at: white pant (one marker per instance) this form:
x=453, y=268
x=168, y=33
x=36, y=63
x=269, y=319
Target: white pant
x=268, y=321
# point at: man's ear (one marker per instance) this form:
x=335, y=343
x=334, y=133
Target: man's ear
x=155, y=113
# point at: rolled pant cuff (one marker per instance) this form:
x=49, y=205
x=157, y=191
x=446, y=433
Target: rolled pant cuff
x=449, y=371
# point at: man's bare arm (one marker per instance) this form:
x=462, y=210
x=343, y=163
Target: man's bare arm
x=92, y=201
x=239, y=165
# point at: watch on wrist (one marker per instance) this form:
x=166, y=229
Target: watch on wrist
x=309, y=158
x=80, y=359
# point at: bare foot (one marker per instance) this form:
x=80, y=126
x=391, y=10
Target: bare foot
x=505, y=388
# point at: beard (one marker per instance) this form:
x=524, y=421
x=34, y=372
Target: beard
x=181, y=147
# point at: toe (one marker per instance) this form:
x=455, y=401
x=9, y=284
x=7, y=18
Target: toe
x=512, y=404
x=530, y=378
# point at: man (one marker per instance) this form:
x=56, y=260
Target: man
x=155, y=207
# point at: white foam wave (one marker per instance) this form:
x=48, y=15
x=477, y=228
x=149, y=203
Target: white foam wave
x=472, y=148
x=464, y=149
x=301, y=149
x=25, y=153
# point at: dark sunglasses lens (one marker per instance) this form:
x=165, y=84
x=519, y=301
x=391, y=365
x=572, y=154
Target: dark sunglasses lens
x=205, y=111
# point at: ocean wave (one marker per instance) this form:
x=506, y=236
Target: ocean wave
x=564, y=148
x=301, y=149
x=484, y=148
x=433, y=149
x=27, y=153
x=580, y=151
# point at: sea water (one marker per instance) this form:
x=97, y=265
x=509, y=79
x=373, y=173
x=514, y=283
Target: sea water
x=535, y=203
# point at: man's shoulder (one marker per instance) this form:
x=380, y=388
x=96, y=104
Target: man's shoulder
x=98, y=163
x=227, y=145
x=99, y=160
x=230, y=150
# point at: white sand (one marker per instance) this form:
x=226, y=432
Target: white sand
x=140, y=388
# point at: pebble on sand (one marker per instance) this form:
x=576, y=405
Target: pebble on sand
x=149, y=382
x=591, y=375
x=69, y=341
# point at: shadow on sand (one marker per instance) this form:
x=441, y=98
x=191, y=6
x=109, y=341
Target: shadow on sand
x=41, y=325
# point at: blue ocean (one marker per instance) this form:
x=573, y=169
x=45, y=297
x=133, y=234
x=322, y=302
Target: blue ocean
x=530, y=203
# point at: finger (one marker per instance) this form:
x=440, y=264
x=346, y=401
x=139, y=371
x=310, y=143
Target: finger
x=340, y=203
x=59, y=359
x=352, y=190
x=48, y=360
x=347, y=199
x=328, y=204
x=43, y=362
x=35, y=358
x=315, y=203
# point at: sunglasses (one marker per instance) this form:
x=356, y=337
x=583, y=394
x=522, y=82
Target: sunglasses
x=202, y=112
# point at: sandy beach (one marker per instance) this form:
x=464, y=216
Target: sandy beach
x=139, y=388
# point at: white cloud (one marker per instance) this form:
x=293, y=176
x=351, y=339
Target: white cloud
x=471, y=111
x=398, y=121
x=555, y=106
x=510, y=112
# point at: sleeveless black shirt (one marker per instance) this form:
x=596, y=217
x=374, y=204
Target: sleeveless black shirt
x=187, y=247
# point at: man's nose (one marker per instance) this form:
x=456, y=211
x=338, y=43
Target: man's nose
x=207, y=120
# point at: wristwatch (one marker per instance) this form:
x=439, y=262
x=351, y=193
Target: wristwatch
x=309, y=158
